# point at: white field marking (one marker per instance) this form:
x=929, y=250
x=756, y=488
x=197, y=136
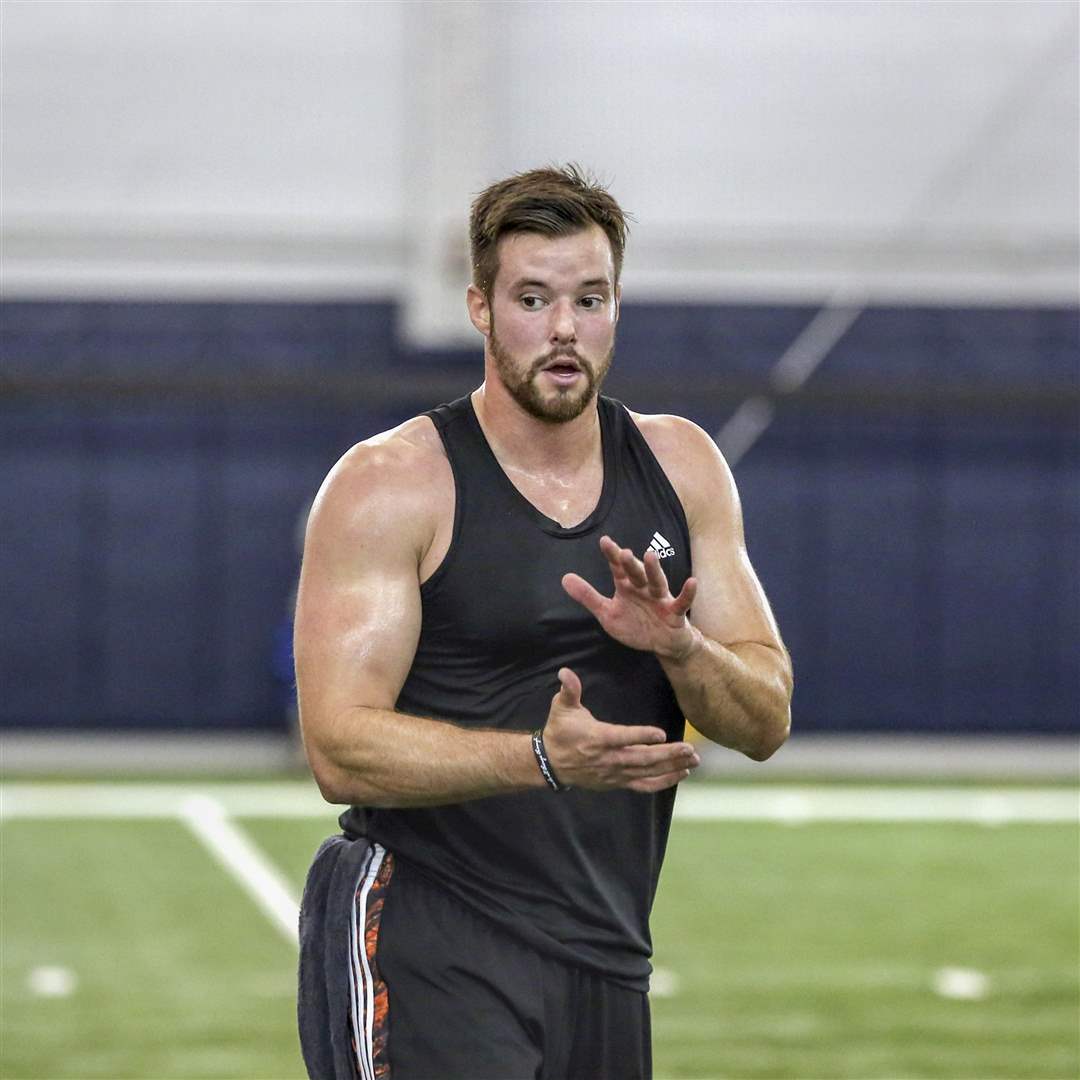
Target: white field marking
x=206, y=809
x=664, y=983
x=52, y=981
x=277, y=799
x=238, y=854
x=791, y=805
x=696, y=802
x=961, y=984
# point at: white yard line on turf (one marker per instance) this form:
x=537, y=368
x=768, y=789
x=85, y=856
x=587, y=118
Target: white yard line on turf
x=697, y=802
x=981, y=806
x=208, y=809
x=239, y=855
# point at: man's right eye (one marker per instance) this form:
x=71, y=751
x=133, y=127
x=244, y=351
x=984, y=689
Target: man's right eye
x=531, y=303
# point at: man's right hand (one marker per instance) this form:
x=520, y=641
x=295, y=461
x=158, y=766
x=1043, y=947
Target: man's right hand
x=588, y=753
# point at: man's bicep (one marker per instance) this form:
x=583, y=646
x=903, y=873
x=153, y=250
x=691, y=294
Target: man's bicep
x=730, y=606
x=357, y=617
x=355, y=638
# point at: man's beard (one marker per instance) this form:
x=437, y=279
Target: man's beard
x=568, y=403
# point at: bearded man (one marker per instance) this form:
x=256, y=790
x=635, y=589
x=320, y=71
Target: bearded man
x=508, y=609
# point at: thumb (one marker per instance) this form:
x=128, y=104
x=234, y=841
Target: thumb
x=570, y=693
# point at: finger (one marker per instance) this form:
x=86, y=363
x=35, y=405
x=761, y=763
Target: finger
x=654, y=573
x=609, y=547
x=685, y=600
x=614, y=555
x=580, y=590
x=570, y=690
x=649, y=760
x=665, y=769
x=623, y=735
x=658, y=783
x=634, y=569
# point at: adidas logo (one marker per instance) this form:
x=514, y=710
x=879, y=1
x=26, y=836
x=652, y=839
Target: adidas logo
x=661, y=546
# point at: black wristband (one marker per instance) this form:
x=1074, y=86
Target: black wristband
x=540, y=752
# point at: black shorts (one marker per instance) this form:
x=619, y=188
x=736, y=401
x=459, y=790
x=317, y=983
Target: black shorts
x=437, y=992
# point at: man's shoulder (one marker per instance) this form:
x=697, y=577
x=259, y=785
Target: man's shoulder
x=409, y=453
x=677, y=440
x=690, y=458
x=398, y=477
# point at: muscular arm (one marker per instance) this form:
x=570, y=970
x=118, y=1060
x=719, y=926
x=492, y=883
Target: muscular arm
x=736, y=694
x=725, y=659
x=357, y=626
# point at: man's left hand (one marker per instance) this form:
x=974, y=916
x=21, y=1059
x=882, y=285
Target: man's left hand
x=642, y=614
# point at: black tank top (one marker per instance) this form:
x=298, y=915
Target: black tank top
x=572, y=873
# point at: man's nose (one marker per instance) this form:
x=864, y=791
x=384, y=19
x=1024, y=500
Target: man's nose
x=563, y=327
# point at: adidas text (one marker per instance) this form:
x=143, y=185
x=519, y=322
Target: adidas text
x=661, y=546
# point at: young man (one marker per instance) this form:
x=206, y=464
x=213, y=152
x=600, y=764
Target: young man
x=497, y=639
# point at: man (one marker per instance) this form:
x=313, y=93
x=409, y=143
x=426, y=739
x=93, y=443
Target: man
x=485, y=913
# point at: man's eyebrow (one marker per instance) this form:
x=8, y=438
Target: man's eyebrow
x=534, y=283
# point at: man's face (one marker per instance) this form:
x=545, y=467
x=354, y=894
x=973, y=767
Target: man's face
x=552, y=316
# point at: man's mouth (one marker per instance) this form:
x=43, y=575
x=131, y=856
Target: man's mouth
x=563, y=366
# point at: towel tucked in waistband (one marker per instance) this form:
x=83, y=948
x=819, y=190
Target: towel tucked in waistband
x=323, y=997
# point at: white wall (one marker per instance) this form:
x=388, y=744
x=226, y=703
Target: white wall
x=771, y=150
x=199, y=110
x=190, y=146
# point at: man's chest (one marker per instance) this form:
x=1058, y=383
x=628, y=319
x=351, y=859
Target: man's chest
x=566, y=499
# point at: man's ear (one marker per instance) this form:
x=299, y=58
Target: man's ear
x=618, y=301
x=479, y=309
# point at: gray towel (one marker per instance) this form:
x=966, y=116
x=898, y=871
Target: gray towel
x=322, y=1003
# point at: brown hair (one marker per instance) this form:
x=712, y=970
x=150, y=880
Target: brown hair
x=554, y=201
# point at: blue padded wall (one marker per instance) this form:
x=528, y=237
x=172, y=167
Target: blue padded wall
x=922, y=559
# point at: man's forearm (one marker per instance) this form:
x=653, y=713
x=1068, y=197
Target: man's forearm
x=738, y=696
x=378, y=757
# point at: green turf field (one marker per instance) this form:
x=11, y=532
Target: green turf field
x=791, y=948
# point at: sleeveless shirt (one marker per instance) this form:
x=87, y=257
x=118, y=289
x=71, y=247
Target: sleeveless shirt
x=571, y=873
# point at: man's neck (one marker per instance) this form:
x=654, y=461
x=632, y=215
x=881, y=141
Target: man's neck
x=524, y=442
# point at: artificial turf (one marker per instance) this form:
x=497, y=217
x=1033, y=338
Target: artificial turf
x=805, y=951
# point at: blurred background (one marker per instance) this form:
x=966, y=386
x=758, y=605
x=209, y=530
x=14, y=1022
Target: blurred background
x=233, y=244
